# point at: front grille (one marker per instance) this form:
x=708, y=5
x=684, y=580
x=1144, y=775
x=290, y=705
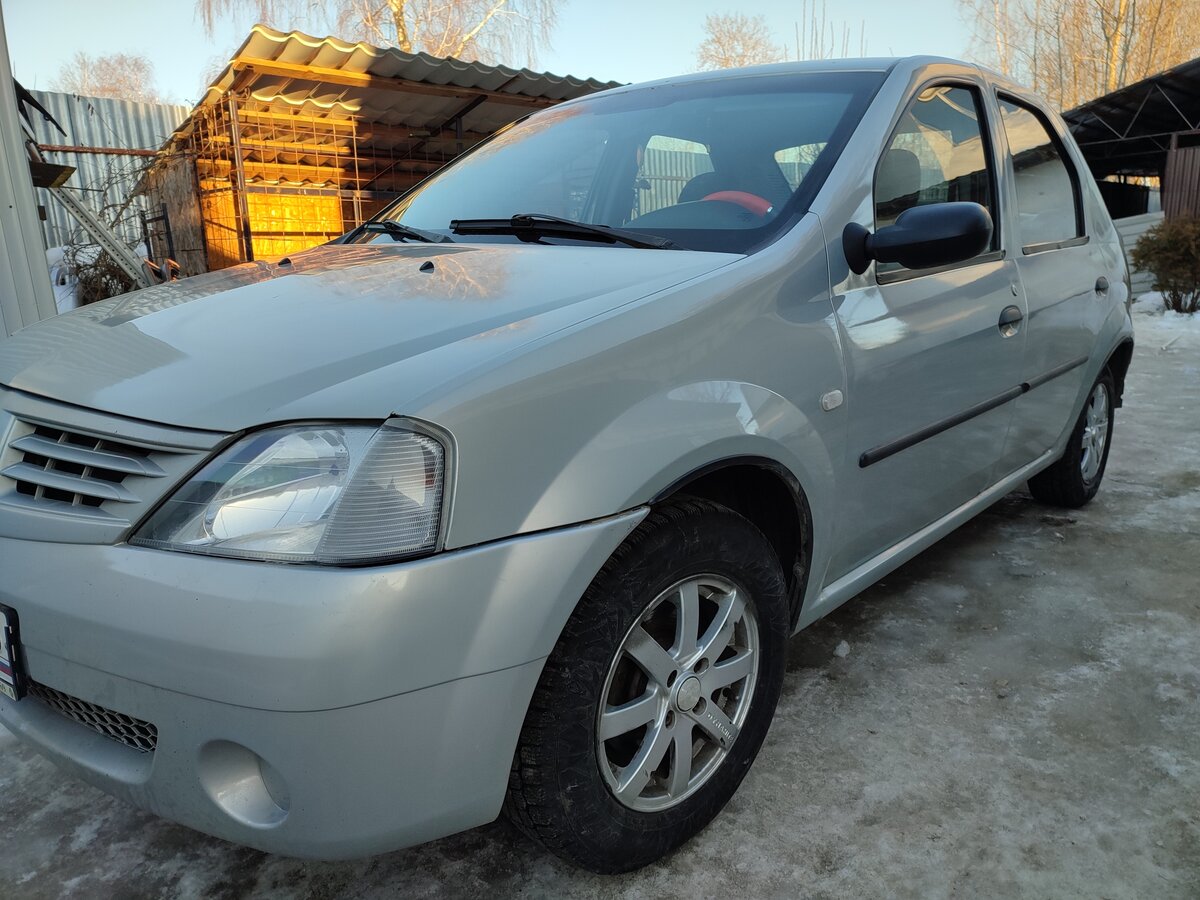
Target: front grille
x=67, y=466
x=77, y=476
x=141, y=736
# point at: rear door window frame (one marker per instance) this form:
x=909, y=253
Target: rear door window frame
x=1081, y=236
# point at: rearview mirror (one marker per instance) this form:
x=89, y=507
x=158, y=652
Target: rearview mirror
x=922, y=237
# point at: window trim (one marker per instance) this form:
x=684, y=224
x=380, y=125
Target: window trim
x=903, y=274
x=1081, y=231
x=992, y=254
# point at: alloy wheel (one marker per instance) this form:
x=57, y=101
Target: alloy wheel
x=677, y=693
x=1095, y=433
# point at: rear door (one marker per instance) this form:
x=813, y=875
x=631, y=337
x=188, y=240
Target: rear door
x=930, y=371
x=1065, y=285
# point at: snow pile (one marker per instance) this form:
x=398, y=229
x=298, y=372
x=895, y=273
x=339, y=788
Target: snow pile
x=62, y=276
x=1163, y=329
x=1151, y=304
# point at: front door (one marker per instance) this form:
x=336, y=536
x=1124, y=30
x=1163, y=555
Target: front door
x=931, y=372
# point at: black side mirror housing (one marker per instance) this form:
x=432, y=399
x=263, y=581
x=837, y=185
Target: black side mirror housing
x=922, y=237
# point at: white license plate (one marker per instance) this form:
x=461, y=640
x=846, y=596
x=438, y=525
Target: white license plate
x=10, y=672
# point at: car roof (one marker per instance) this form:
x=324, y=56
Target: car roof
x=903, y=66
x=864, y=64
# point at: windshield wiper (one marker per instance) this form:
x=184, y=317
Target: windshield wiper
x=398, y=230
x=530, y=226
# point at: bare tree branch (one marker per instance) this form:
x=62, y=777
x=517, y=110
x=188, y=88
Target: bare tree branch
x=737, y=40
x=121, y=76
x=1074, y=50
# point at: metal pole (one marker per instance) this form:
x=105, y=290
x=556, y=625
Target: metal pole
x=239, y=181
x=25, y=292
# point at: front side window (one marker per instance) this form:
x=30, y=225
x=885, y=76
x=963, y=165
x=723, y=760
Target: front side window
x=1048, y=201
x=937, y=154
x=722, y=164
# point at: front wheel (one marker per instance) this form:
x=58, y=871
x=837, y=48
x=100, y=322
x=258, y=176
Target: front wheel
x=659, y=693
x=1074, y=479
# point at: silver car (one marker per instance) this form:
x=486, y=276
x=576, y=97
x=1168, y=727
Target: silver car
x=511, y=498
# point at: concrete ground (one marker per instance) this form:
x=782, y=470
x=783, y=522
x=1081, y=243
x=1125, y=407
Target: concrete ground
x=1017, y=715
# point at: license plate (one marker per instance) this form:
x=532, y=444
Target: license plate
x=11, y=681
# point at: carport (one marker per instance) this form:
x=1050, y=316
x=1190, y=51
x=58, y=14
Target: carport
x=1148, y=130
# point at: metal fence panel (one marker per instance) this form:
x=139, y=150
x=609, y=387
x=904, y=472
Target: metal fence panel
x=104, y=180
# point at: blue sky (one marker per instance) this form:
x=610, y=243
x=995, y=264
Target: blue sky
x=623, y=40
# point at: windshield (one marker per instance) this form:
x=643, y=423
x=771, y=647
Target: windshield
x=713, y=165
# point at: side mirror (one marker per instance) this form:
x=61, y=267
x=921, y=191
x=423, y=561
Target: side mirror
x=922, y=237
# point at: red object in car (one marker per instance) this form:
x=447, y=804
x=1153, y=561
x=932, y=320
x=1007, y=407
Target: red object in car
x=751, y=202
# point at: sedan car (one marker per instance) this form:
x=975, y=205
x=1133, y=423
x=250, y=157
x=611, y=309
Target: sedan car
x=510, y=498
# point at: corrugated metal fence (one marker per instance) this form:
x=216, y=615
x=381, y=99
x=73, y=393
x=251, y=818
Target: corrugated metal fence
x=1181, y=181
x=1131, y=228
x=104, y=180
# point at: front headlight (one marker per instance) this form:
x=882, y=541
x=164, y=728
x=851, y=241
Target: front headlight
x=325, y=494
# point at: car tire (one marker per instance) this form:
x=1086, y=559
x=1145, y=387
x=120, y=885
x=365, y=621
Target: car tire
x=599, y=804
x=1074, y=479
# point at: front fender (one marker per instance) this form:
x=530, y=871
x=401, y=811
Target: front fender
x=600, y=417
x=666, y=437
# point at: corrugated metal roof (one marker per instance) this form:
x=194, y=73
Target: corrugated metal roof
x=312, y=95
x=103, y=179
x=1129, y=130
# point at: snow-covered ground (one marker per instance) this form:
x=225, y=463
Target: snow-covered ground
x=1149, y=309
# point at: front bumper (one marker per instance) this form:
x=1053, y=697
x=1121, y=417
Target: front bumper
x=309, y=712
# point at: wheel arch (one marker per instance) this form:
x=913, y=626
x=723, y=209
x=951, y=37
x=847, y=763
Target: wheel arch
x=1118, y=363
x=771, y=497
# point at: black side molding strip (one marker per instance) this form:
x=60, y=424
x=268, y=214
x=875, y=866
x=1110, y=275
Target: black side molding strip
x=883, y=451
x=1054, y=373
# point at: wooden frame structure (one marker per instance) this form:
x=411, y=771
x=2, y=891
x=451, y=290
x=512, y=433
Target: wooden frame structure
x=301, y=138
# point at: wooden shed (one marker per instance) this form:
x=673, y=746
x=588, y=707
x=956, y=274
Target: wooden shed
x=301, y=138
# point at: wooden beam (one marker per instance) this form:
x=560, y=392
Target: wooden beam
x=364, y=130
x=377, y=82
x=103, y=151
x=222, y=169
x=262, y=115
x=343, y=156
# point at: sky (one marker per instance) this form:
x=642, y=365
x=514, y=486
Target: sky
x=617, y=40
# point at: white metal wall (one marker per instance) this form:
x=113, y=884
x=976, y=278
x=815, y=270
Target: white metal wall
x=104, y=181
x=1131, y=228
x=25, y=293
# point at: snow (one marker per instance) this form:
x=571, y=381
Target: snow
x=63, y=279
x=63, y=276
x=1150, y=305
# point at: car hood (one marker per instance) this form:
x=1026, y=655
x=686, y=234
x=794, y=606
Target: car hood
x=341, y=331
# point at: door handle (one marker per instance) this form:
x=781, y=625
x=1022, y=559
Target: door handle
x=1102, y=285
x=1010, y=321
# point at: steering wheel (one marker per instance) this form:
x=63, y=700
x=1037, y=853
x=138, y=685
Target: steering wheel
x=750, y=202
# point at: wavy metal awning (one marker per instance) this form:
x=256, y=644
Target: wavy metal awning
x=411, y=99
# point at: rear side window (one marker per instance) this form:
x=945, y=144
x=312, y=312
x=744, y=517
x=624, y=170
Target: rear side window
x=1047, y=186
x=938, y=153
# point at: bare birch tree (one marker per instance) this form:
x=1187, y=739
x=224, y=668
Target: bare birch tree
x=737, y=40
x=492, y=30
x=1074, y=50
x=817, y=37
x=121, y=76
